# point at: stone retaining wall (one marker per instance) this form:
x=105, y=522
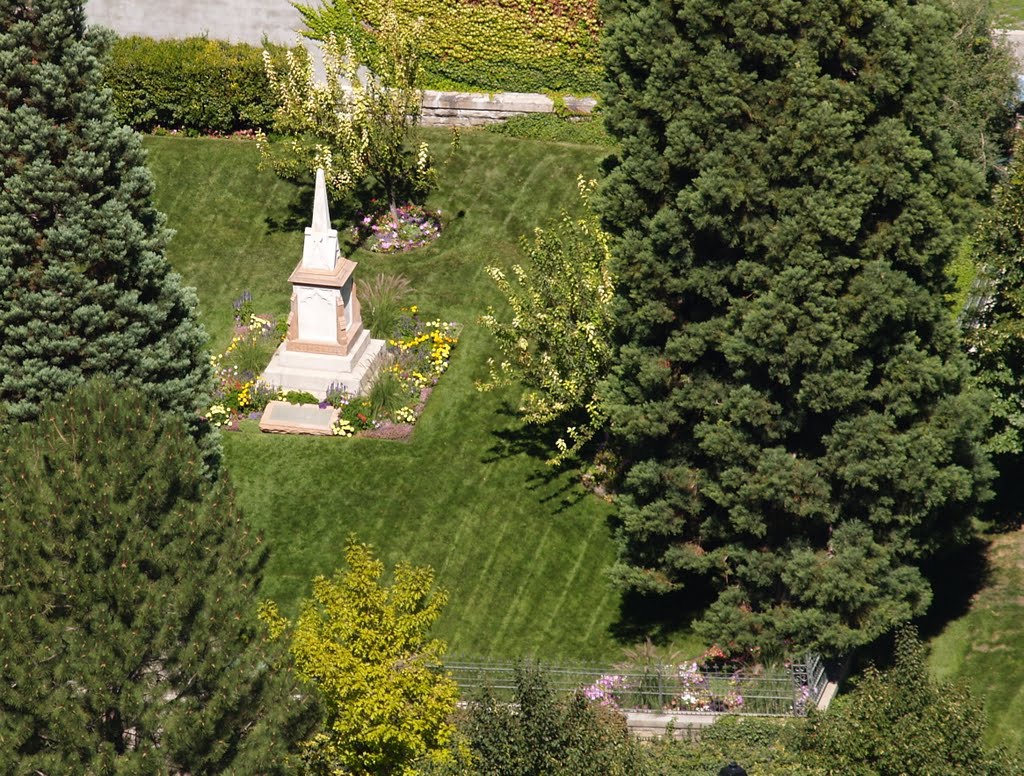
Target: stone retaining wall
x=458, y=109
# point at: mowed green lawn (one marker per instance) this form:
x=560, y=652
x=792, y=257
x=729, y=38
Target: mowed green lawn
x=985, y=647
x=522, y=549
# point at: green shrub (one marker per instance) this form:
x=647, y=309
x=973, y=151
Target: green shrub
x=901, y=721
x=766, y=747
x=196, y=85
x=300, y=397
x=587, y=130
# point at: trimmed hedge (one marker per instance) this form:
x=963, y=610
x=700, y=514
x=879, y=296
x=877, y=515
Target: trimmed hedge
x=197, y=85
x=550, y=127
x=489, y=45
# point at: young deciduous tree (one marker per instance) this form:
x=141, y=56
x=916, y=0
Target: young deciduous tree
x=558, y=338
x=359, y=121
x=978, y=101
x=365, y=648
x=128, y=595
x=797, y=425
x=84, y=285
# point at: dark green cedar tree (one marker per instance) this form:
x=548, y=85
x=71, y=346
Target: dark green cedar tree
x=84, y=285
x=795, y=419
x=994, y=331
x=129, y=641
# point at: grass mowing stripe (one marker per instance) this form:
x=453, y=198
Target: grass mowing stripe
x=457, y=540
x=519, y=599
x=570, y=582
x=485, y=571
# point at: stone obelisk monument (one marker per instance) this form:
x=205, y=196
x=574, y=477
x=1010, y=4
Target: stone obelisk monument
x=326, y=342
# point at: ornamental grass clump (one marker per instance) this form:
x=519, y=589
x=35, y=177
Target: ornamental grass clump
x=381, y=301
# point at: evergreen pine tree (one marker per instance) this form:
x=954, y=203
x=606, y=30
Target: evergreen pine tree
x=128, y=595
x=793, y=415
x=84, y=285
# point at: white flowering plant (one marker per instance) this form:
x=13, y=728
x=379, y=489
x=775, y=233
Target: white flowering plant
x=357, y=124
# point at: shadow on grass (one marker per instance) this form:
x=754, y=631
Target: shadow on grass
x=956, y=578
x=658, y=617
x=1004, y=513
x=538, y=443
x=519, y=438
x=345, y=211
x=296, y=217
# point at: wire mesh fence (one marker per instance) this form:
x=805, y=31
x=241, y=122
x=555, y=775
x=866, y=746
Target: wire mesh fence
x=787, y=690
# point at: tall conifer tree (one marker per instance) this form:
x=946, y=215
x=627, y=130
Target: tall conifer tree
x=84, y=285
x=128, y=591
x=793, y=414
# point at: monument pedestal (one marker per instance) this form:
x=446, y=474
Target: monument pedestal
x=296, y=370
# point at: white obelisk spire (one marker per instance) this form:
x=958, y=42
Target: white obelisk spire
x=320, y=247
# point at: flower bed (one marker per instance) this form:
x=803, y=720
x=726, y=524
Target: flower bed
x=238, y=391
x=715, y=682
x=416, y=357
x=416, y=227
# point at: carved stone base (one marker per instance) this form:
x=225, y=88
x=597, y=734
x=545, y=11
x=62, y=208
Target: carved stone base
x=292, y=370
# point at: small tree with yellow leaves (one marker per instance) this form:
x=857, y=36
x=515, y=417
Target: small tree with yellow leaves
x=357, y=123
x=557, y=340
x=364, y=647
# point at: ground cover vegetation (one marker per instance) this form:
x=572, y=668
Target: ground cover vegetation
x=582, y=130
x=521, y=549
x=531, y=46
x=1009, y=14
x=84, y=285
x=796, y=421
x=128, y=595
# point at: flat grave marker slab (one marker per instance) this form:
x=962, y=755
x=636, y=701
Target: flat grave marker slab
x=280, y=417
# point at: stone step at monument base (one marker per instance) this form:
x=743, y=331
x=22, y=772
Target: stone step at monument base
x=315, y=372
